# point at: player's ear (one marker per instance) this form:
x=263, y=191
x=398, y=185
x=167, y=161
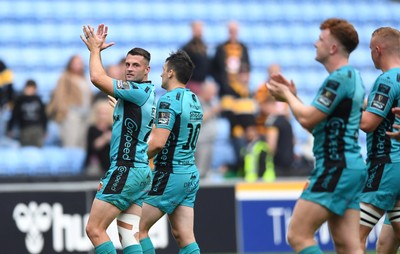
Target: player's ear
x=171, y=73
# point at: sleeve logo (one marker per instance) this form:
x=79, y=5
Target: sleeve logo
x=326, y=98
x=383, y=89
x=164, y=105
x=332, y=84
x=164, y=118
x=123, y=85
x=379, y=101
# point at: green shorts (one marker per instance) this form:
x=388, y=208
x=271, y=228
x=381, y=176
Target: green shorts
x=335, y=188
x=382, y=188
x=170, y=190
x=123, y=186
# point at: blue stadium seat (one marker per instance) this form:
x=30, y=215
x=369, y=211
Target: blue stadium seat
x=75, y=159
x=223, y=149
x=35, y=162
x=12, y=164
x=56, y=160
x=22, y=9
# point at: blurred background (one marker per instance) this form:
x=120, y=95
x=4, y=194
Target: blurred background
x=55, y=125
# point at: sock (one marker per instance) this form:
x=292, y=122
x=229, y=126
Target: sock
x=313, y=249
x=133, y=249
x=192, y=248
x=106, y=248
x=147, y=246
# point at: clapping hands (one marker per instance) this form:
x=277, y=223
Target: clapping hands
x=96, y=40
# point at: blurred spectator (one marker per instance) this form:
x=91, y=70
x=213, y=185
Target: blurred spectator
x=261, y=96
x=98, y=138
x=28, y=117
x=231, y=71
x=273, y=122
x=256, y=158
x=70, y=104
x=115, y=71
x=197, y=51
x=230, y=62
x=280, y=137
x=6, y=85
x=206, y=141
x=6, y=95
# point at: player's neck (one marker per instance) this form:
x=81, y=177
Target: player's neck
x=335, y=63
x=175, y=85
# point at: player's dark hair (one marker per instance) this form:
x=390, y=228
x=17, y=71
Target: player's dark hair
x=140, y=52
x=181, y=63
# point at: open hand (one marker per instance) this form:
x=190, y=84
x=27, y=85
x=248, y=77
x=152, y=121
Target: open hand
x=395, y=134
x=96, y=40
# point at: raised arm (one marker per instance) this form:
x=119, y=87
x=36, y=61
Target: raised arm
x=96, y=42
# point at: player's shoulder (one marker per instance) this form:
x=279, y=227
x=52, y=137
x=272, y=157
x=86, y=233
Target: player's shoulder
x=392, y=75
x=344, y=73
x=389, y=80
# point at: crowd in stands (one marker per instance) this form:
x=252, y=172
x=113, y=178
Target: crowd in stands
x=245, y=134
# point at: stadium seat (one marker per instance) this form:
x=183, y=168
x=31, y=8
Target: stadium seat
x=11, y=164
x=75, y=160
x=35, y=162
x=56, y=160
x=223, y=148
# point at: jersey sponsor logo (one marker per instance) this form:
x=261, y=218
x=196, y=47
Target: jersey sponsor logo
x=335, y=128
x=196, y=116
x=123, y=85
x=160, y=181
x=195, y=106
x=379, y=101
x=117, y=181
x=164, y=118
x=328, y=180
x=382, y=88
x=381, y=141
x=131, y=127
x=164, y=105
x=375, y=173
x=332, y=84
x=192, y=184
x=326, y=98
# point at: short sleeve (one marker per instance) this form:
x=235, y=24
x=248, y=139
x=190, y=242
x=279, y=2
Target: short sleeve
x=330, y=94
x=382, y=97
x=166, y=113
x=130, y=91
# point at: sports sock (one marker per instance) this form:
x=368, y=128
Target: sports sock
x=192, y=248
x=147, y=246
x=133, y=249
x=106, y=248
x=313, y=249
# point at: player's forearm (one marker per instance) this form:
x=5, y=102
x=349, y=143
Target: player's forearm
x=98, y=75
x=299, y=110
x=96, y=67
